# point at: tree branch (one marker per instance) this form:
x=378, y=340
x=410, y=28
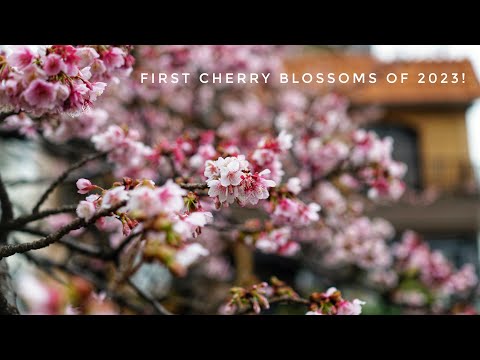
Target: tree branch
x=194, y=186
x=9, y=250
x=62, y=178
x=22, y=220
x=289, y=300
x=7, y=295
x=71, y=244
x=7, y=210
x=277, y=300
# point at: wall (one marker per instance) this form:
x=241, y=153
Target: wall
x=442, y=141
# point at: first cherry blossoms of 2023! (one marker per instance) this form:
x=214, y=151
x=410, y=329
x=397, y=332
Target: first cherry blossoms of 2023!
x=190, y=196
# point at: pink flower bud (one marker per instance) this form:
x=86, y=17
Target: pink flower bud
x=84, y=186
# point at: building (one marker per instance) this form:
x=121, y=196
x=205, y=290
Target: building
x=426, y=116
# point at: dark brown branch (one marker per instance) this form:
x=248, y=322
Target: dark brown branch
x=277, y=300
x=7, y=210
x=194, y=186
x=289, y=300
x=71, y=244
x=22, y=220
x=156, y=305
x=62, y=178
x=9, y=250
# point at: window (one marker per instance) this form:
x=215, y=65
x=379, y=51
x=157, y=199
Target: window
x=405, y=149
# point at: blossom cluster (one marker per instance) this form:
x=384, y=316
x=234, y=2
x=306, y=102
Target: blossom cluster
x=331, y=302
x=278, y=241
x=268, y=153
x=361, y=242
x=129, y=156
x=329, y=144
x=231, y=179
x=259, y=297
x=62, y=79
x=166, y=216
x=426, y=276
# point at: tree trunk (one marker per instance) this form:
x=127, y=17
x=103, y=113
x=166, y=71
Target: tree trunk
x=7, y=295
x=244, y=264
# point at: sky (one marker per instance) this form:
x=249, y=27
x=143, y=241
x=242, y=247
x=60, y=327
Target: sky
x=471, y=52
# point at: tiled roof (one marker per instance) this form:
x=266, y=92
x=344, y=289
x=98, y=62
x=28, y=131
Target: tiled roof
x=382, y=92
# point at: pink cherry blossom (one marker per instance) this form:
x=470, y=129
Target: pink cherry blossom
x=211, y=169
x=222, y=193
x=278, y=241
x=21, y=57
x=41, y=93
x=294, y=185
x=144, y=202
x=22, y=123
x=230, y=171
x=53, y=65
x=86, y=56
x=114, y=197
x=113, y=58
x=254, y=187
x=189, y=225
x=190, y=254
x=85, y=210
x=289, y=211
x=109, y=139
x=170, y=196
x=350, y=308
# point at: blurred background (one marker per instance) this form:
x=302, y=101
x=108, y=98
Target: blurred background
x=436, y=129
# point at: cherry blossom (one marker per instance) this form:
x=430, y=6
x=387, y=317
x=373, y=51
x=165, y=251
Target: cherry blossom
x=86, y=210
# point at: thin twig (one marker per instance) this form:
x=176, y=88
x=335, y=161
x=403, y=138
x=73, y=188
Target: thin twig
x=7, y=210
x=62, y=178
x=28, y=181
x=71, y=244
x=22, y=220
x=276, y=300
x=9, y=250
x=289, y=300
x=156, y=305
